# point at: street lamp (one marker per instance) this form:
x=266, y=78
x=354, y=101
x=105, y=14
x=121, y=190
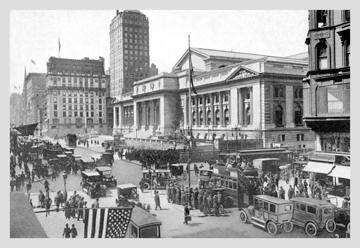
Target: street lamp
x=65, y=177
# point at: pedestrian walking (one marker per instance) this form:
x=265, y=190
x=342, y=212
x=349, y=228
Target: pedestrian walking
x=41, y=199
x=290, y=192
x=73, y=231
x=281, y=193
x=157, y=200
x=187, y=216
x=97, y=204
x=48, y=203
x=67, y=231
x=46, y=186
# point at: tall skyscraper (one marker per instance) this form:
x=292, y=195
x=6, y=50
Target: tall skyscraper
x=129, y=51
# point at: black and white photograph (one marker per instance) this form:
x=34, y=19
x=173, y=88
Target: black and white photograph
x=146, y=123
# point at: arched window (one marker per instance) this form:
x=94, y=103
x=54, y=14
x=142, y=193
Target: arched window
x=298, y=113
x=217, y=117
x=321, y=18
x=278, y=116
x=227, y=116
x=208, y=115
x=322, y=56
x=201, y=117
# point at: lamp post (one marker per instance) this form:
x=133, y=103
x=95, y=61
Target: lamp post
x=65, y=177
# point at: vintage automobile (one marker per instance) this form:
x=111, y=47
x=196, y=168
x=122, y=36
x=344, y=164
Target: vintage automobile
x=205, y=177
x=265, y=165
x=143, y=224
x=87, y=164
x=127, y=195
x=158, y=176
x=177, y=170
x=313, y=215
x=106, y=178
x=342, y=219
x=91, y=184
x=108, y=158
x=270, y=213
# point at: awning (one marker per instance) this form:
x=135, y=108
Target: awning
x=26, y=130
x=341, y=172
x=318, y=167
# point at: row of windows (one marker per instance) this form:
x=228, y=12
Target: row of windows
x=75, y=100
x=81, y=113
x=77, y=79
x=135, y=30
x=55, y=121
x=135, y=52
x=207, y=100
x=76, y=107
x=210, y=120
x=136, y=36
x=279, y=115
x=322, y=17
x=323, y=54
x=282, y=137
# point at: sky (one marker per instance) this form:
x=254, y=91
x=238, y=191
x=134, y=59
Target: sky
x=34, y=35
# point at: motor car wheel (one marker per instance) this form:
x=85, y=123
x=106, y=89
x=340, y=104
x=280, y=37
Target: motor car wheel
x=288, y=227
x=272, y=228
x=243, y=216
x=330, y=226
x=310, y=229
x=146, y=186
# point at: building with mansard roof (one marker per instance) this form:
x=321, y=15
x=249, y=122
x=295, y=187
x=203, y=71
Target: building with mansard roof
x=239, y=96
x=77, y=91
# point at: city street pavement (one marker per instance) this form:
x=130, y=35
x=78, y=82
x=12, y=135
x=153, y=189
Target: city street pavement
x=171, y=215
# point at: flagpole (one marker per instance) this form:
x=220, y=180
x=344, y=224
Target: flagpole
x=190, y=112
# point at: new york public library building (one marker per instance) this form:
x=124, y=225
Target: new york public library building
x=239, y=96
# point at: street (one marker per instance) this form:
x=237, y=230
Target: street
x=171, y=215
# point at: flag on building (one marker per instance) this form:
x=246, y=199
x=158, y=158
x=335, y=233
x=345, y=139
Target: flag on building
x=106, y=222
x=191, y=70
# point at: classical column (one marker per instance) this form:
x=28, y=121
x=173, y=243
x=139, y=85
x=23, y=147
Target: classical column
x=152, y=113
x=241, y=107
x=143, y=118
x=114, y=116
x=222, y=109
x=162, y=114
x=121, y=117
x=289, y=106
x=136, y=115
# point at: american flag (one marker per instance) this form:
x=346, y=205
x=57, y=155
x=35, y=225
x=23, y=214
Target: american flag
x=106, y=222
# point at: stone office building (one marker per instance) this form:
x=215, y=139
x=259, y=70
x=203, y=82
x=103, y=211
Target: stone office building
x=251, y=96
x=327, y=85
x=34, y=103
x=76, y=96
x=129, y=51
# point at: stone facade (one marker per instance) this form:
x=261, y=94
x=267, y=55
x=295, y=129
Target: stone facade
x=327, y=86
x=247, y=96
x=76, y=96
x=129, y=51
x=34, y=95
